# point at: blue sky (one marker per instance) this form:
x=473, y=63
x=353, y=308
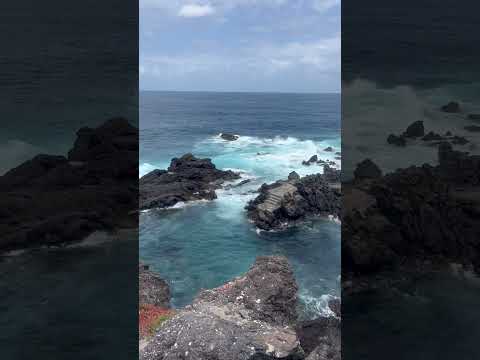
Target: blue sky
x=240, y=45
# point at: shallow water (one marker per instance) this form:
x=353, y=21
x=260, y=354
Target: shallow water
x=204, y=244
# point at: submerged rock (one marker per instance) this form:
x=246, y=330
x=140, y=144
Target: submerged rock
x=250, y=317
x=285, y=202
x=229, y=137
x=328, y=149
x=187, y=179
x=432, y=136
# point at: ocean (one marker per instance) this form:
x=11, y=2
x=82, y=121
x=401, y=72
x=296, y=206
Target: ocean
x=204, y=244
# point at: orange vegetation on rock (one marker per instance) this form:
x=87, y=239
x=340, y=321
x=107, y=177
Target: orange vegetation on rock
x=150, y=318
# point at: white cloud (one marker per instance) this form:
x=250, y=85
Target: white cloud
x=319, y=56
x=196, y=10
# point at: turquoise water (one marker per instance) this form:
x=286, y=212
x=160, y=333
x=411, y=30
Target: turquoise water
x=204, y=244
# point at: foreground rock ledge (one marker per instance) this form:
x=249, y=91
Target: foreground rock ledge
x=187, y=179
x=251, y=317
x=287, y=201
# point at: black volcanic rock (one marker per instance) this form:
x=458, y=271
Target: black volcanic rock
x=321, y=338
x=54, y=200
x=152, y=289
x=313, y=159
x=229, y=137
x=414, y=215
x=472, y=128
x=451, y=107
x=284, y=203
x=328, y=149
x=396, y=140
x=188, y=178
x=250, y=317
x=432, y=136
x=415, y=130
x=367, y=169
x=459, y=140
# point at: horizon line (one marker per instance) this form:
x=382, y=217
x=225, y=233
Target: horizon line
x=245, y=92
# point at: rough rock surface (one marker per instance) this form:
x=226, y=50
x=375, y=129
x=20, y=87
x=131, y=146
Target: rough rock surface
x=251, y=317
x=321, y=338
x=229, y=137
x=412, y=216
x=396, y=140
x=54, y=200
x=152, y=289
x=415, y=130
x=472, y=128
x=367, y=169
x=285, y=202
x=187, y=178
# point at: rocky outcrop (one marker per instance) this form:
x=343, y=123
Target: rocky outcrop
x=284, y=203
x=229, y=137
x=415, y=130
x=55, y=200
x=187, y=179
x=432, y=136
x=328, y=149
x=152, y=289
x=413, y=216
x=451, y=107
x=251, y=317
x=367, y=169
x=396, y=140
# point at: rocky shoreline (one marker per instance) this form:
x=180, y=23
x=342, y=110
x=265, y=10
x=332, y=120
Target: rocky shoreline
x=287, y=202
x=188, y=178
x=251, y=317
x=55, y=200
x=410, y=221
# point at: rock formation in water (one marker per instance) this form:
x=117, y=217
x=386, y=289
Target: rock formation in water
x=251, y=317
x=152, y=289
x=286, y=202
x=229, y=137
x=187, y=178
x=451, y=107
x=413, y=216
x=53, y=200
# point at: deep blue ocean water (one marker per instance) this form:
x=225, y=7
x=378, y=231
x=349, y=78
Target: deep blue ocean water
x=202, y=245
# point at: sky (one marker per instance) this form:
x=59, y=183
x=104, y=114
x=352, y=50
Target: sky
x=240, y=45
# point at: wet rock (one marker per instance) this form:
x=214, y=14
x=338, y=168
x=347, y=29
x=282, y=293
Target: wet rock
x=328, y=149
x=451, y=107
x=229, y=137
x=313, y=159
x=396, y=140
x=152, y=288
x=367, y=169
x=251, y=317
x=293, y=176
x=415, y=130
x=187, y=179
x=285, y=203
x=448, y=133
